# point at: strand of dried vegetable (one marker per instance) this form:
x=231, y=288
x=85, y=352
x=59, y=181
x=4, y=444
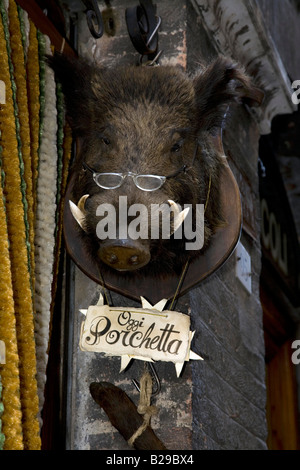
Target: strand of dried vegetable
x=18, y=250
x=42, y=68
x=66, y=147
x=60, y=138
x=17, y=58
x=23, y=19
x=45, y=227
x=60, y=174
x=67, y=151
x=11, y=415
x=5, y=20
x=33, y=90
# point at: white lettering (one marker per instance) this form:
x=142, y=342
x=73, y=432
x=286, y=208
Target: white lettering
x=295, y=99
x=119, y=460
x=160, y=223
x=296, y=354
x=106, y=227
x=198, y=234
x=122, y=217
x=138, y=227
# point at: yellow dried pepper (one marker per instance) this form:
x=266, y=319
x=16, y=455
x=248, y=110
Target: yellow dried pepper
x=33, y=90
x=12, y=415
x=19, y=259
x=17, y=58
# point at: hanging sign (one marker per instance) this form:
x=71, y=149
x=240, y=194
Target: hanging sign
x=147, y=334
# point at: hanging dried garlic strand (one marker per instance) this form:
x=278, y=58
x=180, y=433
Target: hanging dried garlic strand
x=45, y=227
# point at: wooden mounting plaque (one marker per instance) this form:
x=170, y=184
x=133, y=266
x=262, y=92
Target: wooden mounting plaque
x=152, y=288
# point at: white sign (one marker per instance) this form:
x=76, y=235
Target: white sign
x=147, y=333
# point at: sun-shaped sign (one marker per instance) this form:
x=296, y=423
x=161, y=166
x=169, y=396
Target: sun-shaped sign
x=149, y=333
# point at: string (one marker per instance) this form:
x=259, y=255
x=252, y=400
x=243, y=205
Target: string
x=187, y=263
x=104, y=288
x=179, y=283
x=208, y=194
x=62, y=45
x=144, y=407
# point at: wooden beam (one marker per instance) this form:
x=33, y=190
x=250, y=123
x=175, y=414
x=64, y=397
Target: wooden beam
x=43, y=23
x=124, y=416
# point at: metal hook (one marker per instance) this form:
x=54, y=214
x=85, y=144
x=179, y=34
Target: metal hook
x=154, y=31
x=151, y=63
x=143, y=24
x=262, y=168
x=156, y=379
x=94, y=17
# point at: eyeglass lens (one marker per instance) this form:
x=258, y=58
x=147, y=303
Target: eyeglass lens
x=148, y=182
x=108, y=180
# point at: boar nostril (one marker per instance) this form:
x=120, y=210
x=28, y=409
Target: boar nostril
x=134, y=259
x=113, y=259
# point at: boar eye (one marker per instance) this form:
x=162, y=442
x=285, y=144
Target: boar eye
x=105, y=140
x=176, y=147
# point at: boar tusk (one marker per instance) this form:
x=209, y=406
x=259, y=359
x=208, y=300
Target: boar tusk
x=179, y=216
x=78, y=211
x=81, y=202
x=175, y=207
x=77, y=214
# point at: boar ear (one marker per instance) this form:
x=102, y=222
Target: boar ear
x=74, y=75
x=221, y=84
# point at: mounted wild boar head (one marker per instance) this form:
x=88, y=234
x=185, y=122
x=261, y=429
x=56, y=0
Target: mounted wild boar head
x=145, y=181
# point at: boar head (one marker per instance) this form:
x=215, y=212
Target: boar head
x=147, y=121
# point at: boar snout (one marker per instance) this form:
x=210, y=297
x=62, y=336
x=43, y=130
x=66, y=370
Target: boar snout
x=124, y=255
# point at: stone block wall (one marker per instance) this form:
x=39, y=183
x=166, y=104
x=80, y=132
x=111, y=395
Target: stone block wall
x=218, y=403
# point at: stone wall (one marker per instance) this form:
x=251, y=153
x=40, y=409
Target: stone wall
x=218, y=403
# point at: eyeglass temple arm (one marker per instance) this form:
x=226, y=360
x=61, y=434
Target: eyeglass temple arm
x=86, y=167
